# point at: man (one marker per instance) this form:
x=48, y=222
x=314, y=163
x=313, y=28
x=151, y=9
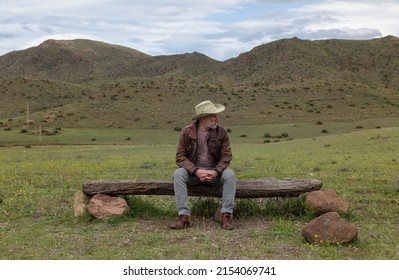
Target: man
x=203, y=155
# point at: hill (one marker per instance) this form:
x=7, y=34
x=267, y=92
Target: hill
x=70, y=61
x=372, y=62
x=83, y=83
x=81, y=61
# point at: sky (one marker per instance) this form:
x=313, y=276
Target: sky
x=220, y=29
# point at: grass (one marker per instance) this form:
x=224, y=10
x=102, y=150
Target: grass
x=38, y=185
x=254, y=134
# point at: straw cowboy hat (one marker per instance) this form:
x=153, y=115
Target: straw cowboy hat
x=207, y=108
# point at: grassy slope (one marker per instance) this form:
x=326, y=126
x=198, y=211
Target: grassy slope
x=168, y=103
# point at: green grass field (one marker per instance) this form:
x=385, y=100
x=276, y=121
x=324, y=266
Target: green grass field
x=37, y=186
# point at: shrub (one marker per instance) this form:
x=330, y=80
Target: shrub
x=205, y=207
x=246, y=208
x=50, y=133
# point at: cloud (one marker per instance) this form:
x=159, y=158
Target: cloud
x=344, y=33
x=321, y=20
x=345, y=19
x=220, y=29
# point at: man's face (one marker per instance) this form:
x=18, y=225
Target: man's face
x=212, y=121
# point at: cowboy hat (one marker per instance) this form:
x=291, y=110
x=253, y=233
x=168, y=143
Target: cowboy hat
x=207, y=108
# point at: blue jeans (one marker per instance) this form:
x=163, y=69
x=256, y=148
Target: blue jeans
x=182, y=178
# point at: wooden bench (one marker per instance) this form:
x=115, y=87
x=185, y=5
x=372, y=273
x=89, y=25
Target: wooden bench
x=251, y=188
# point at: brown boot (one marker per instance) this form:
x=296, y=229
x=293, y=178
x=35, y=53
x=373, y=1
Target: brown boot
x=182, y=222
x=227, y=221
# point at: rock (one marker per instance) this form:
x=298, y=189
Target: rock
x=80, y=204
x=329, y=228
x=103, y=206
x=326, y=201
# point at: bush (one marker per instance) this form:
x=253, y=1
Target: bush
x=205, y=207
x=50, y=132
x=246, y=208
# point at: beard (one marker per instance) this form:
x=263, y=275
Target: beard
x=211, y=125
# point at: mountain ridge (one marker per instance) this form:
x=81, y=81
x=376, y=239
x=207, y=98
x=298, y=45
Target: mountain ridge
x=84, y=83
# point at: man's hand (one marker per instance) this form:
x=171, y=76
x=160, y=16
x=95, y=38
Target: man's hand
x=206, y=175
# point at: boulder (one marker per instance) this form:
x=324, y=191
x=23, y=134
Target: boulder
x=326, y=201
x=80, y=203
x=329, y=228
x=103, y=206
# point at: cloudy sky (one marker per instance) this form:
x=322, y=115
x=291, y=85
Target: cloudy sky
x=220, y=29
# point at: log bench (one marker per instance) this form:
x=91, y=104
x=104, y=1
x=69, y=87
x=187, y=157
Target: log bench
x=251, y=188
x=112, y=205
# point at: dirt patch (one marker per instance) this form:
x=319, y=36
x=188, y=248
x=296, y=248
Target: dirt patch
x=204, y=224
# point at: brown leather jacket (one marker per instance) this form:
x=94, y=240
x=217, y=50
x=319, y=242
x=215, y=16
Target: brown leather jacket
x=219, y=149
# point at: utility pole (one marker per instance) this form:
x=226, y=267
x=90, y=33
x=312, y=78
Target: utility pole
x=40, y=134
x=27, y=114
x=28, y=120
